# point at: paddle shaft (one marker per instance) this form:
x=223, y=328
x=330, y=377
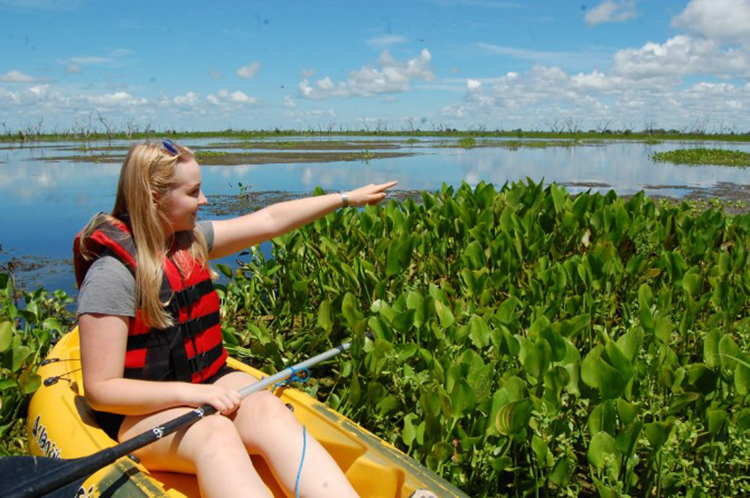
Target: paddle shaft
x=82, y=467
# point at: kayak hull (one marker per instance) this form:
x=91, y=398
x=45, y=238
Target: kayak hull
x=62, y=425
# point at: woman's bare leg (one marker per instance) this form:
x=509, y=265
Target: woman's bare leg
x=270, y=429
x=211, y=448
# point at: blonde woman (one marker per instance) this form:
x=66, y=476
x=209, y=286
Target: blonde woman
x=150, y=334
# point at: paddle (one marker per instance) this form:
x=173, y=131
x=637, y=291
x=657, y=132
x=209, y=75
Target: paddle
x=67, y=475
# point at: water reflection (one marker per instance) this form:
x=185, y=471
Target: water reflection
x=43, y=203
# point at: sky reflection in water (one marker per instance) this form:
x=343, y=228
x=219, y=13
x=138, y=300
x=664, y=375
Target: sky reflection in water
x=43, y=204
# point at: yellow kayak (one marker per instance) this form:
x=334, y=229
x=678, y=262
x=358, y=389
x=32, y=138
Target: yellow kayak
x=61, y=425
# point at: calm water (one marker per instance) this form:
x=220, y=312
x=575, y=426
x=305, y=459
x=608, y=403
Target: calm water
x=43, y=204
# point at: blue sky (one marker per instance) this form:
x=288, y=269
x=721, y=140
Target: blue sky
x=325, y=64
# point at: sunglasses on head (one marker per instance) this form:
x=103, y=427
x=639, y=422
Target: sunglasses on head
x=170, y=146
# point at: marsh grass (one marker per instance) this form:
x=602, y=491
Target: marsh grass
x=716, y=157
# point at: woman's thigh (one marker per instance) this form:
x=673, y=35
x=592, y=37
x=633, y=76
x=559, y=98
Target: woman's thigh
x=177, y=451
x=261, y=416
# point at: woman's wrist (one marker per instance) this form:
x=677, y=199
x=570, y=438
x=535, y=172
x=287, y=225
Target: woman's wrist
x=344, y=199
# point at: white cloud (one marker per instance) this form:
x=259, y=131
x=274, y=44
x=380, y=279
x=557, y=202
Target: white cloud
x=226, y=99
x=250, y=71
x=611, y=11
x=570, y=59
x=289, y=102
x=15, y=76
x=116, y=99
x=389, y=76
x=90, y=60
x=189, y=99
x=386, y=40
x=682, y=55
x=473, y=84
x=727, y=20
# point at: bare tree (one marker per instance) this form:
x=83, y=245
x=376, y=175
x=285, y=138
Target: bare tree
x=602, y=126
x=107, y=125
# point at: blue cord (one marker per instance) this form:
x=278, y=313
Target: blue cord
x=301, y=461
x=294, y=378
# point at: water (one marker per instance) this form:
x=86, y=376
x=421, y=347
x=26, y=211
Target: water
x=44, y=203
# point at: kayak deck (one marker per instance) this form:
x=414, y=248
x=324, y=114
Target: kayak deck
x=61, y=425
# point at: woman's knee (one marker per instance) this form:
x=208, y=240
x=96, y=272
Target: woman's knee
x=211, y=435
x=262, y=415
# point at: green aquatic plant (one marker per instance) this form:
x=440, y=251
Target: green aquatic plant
x=524, y=341
x=29, y=324
x=718, y=157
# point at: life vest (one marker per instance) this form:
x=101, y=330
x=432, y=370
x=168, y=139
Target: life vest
x=192, y=349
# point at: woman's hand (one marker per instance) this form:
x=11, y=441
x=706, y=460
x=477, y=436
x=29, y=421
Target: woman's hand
x=225, y=400
x=369, y=194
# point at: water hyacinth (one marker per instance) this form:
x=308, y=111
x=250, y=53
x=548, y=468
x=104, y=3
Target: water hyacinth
x=524, y=341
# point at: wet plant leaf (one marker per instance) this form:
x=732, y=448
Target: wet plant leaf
x=513, y=417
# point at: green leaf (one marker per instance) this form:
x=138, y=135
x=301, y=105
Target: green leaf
x=325, y=318
x=589, y=365
x=224, y=269
x=603, y=418
x=742, y=378
x=409, y=432
x=692, y=283
x=29, y=382
x=462, y=398
x=681, y=401
x=350, y=310
x=6, y=335
x=480, y=332
x=561, y=471
x=657, y=433
x=473, y=257
x=603, y=451
x=404, y=321
x=630, y=342
x=716, y=420
x=355, y=390
x=628, y=438
x=20, y=353
x=610, y=381
x=626, y=411
x=728, y=353
x=514, y=417
x=538, y=359
x=711, y=348
x=617, y=359
x=540, y=449
x=444, y=314
x=556, y=342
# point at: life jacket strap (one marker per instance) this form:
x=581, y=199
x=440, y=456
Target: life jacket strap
x=190, y=295
x=198, y=363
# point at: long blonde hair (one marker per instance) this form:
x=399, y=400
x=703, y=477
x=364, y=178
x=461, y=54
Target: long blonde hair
x=147, y=178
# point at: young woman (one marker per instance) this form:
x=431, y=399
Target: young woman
x=150, y=334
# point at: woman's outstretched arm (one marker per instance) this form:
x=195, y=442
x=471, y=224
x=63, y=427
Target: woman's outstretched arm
x=236, y=234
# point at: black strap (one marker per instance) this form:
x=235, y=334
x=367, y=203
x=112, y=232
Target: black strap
x=190, y=295
x=198, y=363
x=190, y=329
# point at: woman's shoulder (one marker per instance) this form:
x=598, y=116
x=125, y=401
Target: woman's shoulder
x=108, y=288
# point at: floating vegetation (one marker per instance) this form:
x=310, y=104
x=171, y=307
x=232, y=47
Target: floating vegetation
x=523, y=340
x=717, y=157
x=471, y=142
x=331, y=145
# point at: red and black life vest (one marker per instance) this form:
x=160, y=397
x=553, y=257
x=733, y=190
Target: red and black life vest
x=191, y=350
